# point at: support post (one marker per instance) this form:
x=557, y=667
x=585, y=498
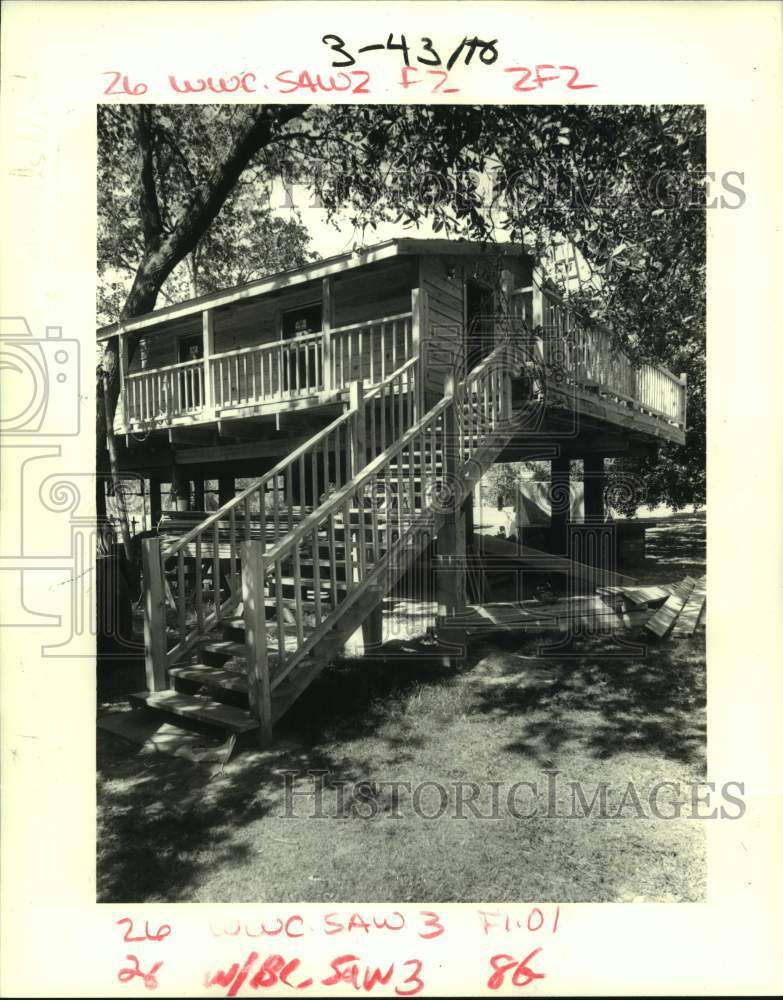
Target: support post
x=451, y=562
x=259, y=690
x=538, y=316
x=225, y=489
x=358, y=456
x=418, y=333
x=180, y=487
x=208, y=349
x=156, y=506
x=124, y=365
x=684, y=399
x=198, y=493
x=327, y=322
x=372, y=628
x=595, y=484
x=560, y=496
x=154, y=615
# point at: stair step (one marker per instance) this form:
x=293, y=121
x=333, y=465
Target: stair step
x=196, y=708
x=214, y=677
x=225, y=647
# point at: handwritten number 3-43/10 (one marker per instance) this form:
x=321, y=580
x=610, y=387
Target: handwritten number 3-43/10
x=487, y=51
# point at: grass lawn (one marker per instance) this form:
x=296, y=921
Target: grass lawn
x=172, y=830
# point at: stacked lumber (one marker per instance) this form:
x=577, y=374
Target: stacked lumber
x=682, y=611
x=692, y=613
x=676, y=609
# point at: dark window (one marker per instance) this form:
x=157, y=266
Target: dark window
x=190, y=349
x=299, y=322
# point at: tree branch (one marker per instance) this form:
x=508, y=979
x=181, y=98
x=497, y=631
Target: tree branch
x=149, y=209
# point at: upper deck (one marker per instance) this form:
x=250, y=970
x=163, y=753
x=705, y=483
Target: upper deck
x=297, y=340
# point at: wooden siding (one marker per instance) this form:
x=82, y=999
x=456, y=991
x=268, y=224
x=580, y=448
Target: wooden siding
x=379, y=290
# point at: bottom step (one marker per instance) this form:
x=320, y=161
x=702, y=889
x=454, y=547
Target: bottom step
x=197, y=708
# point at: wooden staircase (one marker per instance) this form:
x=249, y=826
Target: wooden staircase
x=245, y=607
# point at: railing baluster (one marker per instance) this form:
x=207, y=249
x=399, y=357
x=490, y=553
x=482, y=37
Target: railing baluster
x=199, y=596
x=216, y=566
x=316, y=576
x=289, y=495
x=332, y=543
x=276, y=510
x=298, y=595
x=348, y=545
x=181, y=609
x=248, y=525
x=279, y=608
x=232, y=551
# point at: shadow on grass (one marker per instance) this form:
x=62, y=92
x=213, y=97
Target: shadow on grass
x=165, y=823
x=653, y=704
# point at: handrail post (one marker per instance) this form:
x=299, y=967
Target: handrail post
x=327, y=322
x=208, y=334
x=538, y=316
x=155, y=650
x=258, y=686
x=358, y=457
x=684, y=398
x=123, y=365
x=451, y=561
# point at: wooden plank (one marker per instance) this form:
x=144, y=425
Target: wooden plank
x=665, y=617
x=196, y=708
x=691, y=612
x=639, y=595
x=155, y=647
x=213, y=677
x=253, y=599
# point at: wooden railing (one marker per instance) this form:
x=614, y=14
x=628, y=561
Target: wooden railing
x=587, y=356
x=293, y=368
x=660, y=392
x=281, y=370
x=362, y=523
x=370, y=351
x=344, y=541
x=162, y=393
x=272, y=505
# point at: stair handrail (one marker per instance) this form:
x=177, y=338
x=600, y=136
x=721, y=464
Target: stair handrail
x=257, y=484
x=346, y=417
x=288, y=547
x=372, y=468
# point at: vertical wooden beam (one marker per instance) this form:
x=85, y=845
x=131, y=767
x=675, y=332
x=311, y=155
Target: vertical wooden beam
x=155, y=502
x=358, y=456
x=503, y=307
x=470, y=530
x=259, y=690
x=538, y=314
x=595, y=484
x=684, y=399
x=208, y=333
x=451, y=562
x=124, y=365
x=198, y=493
x=154, y=615
x=418, y=300
x=226, y=489
x=560, y=494
x=327, y=322
x=180, y=487
x=372, y=628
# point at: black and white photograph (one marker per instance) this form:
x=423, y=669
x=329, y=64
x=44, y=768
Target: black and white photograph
x=390, y=498
x=401, y=485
